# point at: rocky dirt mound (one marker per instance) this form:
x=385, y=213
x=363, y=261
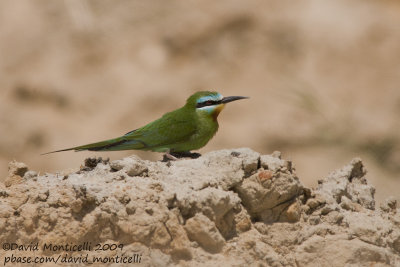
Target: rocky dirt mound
x=233, y=207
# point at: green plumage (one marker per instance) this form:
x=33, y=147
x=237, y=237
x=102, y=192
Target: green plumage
x=182, y=130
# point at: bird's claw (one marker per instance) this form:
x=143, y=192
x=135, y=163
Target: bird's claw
x=168, y=156
x=177, y=155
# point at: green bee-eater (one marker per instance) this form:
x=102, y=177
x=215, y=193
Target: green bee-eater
x=176, y=133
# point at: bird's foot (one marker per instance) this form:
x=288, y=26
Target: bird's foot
x=168, y=157
x=178, y=155
x=186, y=154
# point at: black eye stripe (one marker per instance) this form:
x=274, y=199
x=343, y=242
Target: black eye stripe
x=208, y=103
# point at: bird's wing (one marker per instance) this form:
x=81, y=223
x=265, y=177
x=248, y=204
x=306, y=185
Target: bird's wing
x=172, y=128
x=162, y=133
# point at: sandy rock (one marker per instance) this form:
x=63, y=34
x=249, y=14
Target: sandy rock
x=228, y=207
x=293, y=212
x=390, y=204
x=180, y=245
x=30, y=175
x=202, y=230
x=219, y=206
x=350, y=182
x=132, y=165
x=394, y=242
x=266, y=199
x=242, y=221
x=337, y=250
x=17, y=168
x=367, y=227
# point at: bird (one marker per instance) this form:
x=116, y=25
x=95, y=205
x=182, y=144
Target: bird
x=176, y=133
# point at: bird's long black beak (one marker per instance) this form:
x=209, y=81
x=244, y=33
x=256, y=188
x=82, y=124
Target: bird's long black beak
x=232, y=98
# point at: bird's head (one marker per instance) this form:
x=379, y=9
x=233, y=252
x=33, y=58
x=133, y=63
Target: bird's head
x=210, y=103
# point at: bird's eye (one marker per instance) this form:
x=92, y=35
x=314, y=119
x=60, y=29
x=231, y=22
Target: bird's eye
x=207, y=103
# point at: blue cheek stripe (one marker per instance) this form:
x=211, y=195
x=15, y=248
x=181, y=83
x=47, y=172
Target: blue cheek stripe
x=215, y=97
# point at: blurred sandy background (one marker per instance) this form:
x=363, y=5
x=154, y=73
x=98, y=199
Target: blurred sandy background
x=323, y=77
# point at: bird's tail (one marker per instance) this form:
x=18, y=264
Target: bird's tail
x=98, y=146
